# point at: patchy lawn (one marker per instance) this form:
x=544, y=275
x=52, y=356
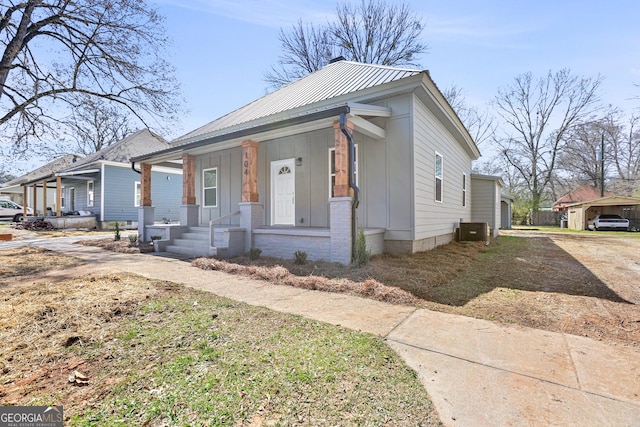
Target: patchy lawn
x=530, y=281
x=118, y=349
x=28, y=261
x=539, y=279
x=124, y=245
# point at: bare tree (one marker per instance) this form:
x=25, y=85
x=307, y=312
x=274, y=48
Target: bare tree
x=480, y=124
x=580, y=158
x=625, y=153
x=306, y=48
x=372, y=31
x=112, y=50
x=375, y=32
x=5, y=176
x=540, y=112
x=94, y=126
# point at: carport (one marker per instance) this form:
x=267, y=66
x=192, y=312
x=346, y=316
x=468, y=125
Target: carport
x=580, y=213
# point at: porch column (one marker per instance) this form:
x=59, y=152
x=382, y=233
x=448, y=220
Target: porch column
x=341, y=187
x=189, y=210
x=340, y=205
x=145, y=185
x=250, y=171
x=58, y=196
x=188, y=179
x=146, y=212
x=44, y=198
x=251, y=211
x=34, y=187
x=25, y=200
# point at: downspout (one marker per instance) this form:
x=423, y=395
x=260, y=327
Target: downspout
x=352, y=181
x=133, y=168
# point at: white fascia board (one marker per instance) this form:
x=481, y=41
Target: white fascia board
x=367, y=128
x=358, y=109
x=78, y=172
x=162, y=169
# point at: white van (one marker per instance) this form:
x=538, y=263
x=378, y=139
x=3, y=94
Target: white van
x=13, y=211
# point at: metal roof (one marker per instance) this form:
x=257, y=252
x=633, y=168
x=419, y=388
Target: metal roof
x=138, y=143
x=44, y=171
x=332, y=81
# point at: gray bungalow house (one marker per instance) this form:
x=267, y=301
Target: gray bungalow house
x=105, y=187
x=305, y=167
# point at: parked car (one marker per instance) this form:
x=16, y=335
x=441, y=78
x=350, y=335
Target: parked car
x=608, y=221
x=12, y=211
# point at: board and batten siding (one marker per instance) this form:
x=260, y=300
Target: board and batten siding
x=311, y=149
x=229, y=184
x=433, y=218
x=119, y=194
x=485, y=202
x=395, y=205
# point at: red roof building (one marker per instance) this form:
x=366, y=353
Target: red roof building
x=579, y=195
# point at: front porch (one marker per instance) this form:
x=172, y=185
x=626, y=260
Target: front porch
x=273, y=227
x=227, y=241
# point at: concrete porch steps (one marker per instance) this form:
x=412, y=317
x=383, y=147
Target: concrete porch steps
x=195, y=243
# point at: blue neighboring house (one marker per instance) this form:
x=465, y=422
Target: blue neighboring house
x=105, y=185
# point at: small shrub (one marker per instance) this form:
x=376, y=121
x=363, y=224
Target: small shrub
x=301, y=257
x=133, y=238
x=116, y=237
x=254, y=253
x=361, y=255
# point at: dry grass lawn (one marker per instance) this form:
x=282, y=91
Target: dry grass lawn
x=532, y=281
x=118, y=349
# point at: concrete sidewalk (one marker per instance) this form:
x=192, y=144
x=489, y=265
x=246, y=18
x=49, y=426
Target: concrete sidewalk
x=477, y=373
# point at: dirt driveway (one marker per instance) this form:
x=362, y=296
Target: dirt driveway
x=582, y=284
x=614, y=260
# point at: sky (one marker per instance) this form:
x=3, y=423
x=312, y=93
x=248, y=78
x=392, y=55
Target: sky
x=222, y=48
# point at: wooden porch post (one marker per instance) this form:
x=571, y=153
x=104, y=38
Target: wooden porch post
x=250, y=171
x=25, y=200
x=44, y=198
x=58, y=196
x=341, y=187
x=145, y=184
x=188, y=179
x=34, y=187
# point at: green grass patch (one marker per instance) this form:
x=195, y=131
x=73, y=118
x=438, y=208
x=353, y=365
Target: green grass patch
x=196, y=359
x=483, y=274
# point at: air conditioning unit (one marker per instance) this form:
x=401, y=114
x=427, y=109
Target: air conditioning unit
x=474, y=232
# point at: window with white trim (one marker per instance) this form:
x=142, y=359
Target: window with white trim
x=438, y=177
x=137, y=193
x=63, y=197
x=332, y=168
x=464, y=189
x=90, y=191
x=210, y=187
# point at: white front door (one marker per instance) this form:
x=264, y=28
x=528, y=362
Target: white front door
x=283, y=192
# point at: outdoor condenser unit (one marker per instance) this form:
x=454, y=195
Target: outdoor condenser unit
x=474, y=232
